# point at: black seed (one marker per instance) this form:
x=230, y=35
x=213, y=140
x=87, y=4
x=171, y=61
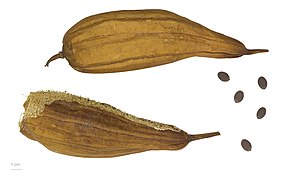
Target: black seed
x=262, y=82
x=261, y=113
x=239, y=96
x=246, y=145
x=223, y=76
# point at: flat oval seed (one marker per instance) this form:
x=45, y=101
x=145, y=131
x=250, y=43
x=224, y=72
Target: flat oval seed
x=246, y=145
x=223, y=76
x=239, y=96
x=262, y=82
x=261, y=113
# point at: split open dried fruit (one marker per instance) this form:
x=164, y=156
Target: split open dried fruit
x=77, y=126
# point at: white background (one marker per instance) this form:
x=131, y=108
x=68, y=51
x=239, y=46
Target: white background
x=186, y=93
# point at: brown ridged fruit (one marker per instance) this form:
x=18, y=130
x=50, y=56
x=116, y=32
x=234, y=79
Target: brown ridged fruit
x=77, y=126
x=135, y=39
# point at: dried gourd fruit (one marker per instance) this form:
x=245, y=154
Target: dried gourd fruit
x=77, y=126
x=135, y=39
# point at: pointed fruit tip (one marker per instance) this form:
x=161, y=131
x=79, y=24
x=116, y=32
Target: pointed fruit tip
x=255, y=51
x=202, y=136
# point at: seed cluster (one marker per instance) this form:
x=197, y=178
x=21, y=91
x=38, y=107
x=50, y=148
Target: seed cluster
x=239, y=96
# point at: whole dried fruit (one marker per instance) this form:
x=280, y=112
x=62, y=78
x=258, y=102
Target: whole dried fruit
x=135, y=39
x=77, y=126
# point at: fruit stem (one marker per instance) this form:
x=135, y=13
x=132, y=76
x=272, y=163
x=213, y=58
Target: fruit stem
x=255, y=51
x=54, y=57
x=202, y=136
